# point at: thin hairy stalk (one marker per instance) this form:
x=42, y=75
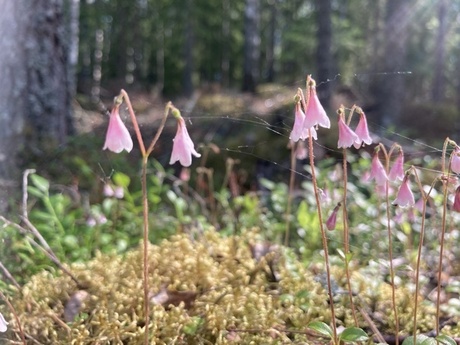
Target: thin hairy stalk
x=441, y=248
x=145, y=204
x=390, y=255
x=346, y=236
x=420, y=246
x=145, y=208
x=13, y=311
x=160, y=129
x=390, y=245
x=291, y=189
x=320, y=219
x=125, y=96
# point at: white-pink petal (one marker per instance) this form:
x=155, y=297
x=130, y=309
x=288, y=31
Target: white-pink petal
x=362, y=131
x=3, y=324
x=397, y=170
x=117, y=138
x=455, y=163
x=183, y=147
x=346, y=136
x=378, y=172
x=404, y=197
x=315, y=113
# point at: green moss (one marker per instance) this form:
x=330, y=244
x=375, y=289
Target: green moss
x=233, y=293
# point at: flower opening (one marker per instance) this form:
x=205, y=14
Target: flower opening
x=117, y=138
x=183, y=147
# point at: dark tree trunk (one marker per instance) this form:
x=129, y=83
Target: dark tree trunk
x=251, y=45
x=438, y=86
x=388, y=87
x=188, y=50
x=324, y=61
x=36, y=96
x=271, y=41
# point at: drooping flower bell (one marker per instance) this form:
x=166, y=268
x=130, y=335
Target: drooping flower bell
x=362, y=130
x=456, y=206
x=378, y=172
x=455, y=163
x=3, y=324
x=117, y=138
x=332, y=220
x=298, y=131
x=397, y=170
x=346, y=136
x=183, y=147
x=404, y=197
x=315, y=115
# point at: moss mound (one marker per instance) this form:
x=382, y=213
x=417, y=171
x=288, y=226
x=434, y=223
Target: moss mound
x=210, y=290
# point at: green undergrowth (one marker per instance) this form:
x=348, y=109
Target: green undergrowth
x=205, y=289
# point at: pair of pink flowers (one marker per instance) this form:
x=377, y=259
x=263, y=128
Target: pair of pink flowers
x=315, y=115
x=118, y=139
x=404, y=197
x=356, y=138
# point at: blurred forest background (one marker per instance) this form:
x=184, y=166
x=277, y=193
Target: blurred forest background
x=399, y=59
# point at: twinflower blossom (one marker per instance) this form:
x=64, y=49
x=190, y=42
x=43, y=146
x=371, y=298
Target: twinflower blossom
x=362, y=131
x=378, y=172
x=456, y=206
x=183, y=147
x=455, y=163
x=117, y=138
x=315, y=113
x=298, y=131
x=346, y=136
x=404, y=197
x=397, y=170
x=3, y=324
x=332, y=220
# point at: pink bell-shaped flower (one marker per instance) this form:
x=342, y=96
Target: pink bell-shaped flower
x=362, y=131
x=346, y=136
x=298, y=131
x=3, y=324
x=183, y=147
x=378, y=172
x=315, y=113
x=397, y=170
x=456, y=206
x=455, y=163
x=332, y=220
x=117, y=138
x=404, y=197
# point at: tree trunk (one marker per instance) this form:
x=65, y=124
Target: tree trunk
x=323, y=50
x=251, y=45
x=271, y=41
x=438, y=86
x=36, y=97
x=388, y=87
x=188, y=50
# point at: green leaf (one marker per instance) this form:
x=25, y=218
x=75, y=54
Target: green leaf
x=353, y=334
x=420, y=338
x=429, y=341
x=446, y=340
x=121, y=179
x=35, y=192
x=321, y=328
x=40, y=182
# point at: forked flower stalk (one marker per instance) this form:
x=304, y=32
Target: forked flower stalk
x=320, y=219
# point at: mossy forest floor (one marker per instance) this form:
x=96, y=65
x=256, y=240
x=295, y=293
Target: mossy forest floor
x=206, y=289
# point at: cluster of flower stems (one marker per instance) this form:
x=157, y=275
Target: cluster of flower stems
x=309, y=116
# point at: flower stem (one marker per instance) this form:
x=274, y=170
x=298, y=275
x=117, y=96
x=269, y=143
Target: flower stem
x=346, y=235
x=291, y=188
x=13, y=311
x=390, y=244
x=320, y=219
x=420, y=245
